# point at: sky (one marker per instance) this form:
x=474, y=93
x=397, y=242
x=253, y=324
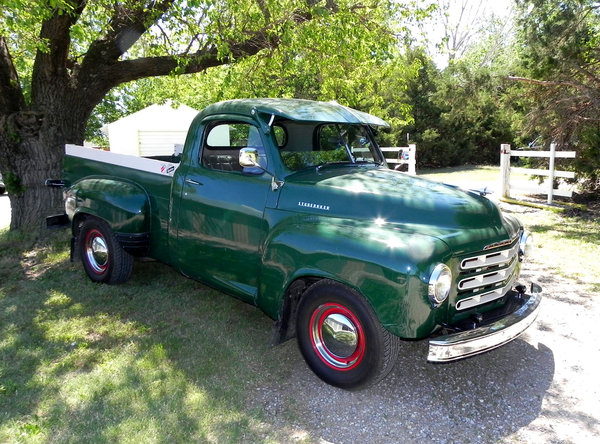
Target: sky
x=475, y=12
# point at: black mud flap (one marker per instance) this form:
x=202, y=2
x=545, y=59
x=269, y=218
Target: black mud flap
x=57, y=221
x=75, y=256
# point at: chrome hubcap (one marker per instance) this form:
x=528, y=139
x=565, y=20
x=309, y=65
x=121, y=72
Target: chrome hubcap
x=337, y=337
x=97, y=251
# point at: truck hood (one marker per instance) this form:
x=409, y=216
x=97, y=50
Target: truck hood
x=464, y=220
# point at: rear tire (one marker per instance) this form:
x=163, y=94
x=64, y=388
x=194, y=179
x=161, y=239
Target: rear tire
x=103, y=258
x=341, y=338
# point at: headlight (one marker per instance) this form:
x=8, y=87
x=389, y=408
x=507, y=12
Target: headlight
x=525, y=245
x=440, y=283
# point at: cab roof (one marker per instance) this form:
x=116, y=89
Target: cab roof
x=294, y=109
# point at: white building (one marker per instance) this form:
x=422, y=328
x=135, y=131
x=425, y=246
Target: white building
x=153, y=131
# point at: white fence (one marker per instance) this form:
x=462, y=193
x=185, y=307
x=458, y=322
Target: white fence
x=551, y=173
x=404, y=155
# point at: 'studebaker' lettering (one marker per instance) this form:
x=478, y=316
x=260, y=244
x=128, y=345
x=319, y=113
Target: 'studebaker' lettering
x=314, y=206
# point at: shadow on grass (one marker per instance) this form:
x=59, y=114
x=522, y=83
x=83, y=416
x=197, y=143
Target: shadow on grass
x=165, y=359
x=161, y=358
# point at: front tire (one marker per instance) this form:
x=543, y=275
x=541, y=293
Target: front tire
x=341, y=338
x=103, y=258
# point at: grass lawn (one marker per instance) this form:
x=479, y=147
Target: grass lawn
x=484, y=173
x=476, y=177
x=158, y=359
x=161, y=358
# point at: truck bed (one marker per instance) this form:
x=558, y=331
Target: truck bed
x=152, y=174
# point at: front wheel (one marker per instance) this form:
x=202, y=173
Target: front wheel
x=103, y=258
x=341, y=338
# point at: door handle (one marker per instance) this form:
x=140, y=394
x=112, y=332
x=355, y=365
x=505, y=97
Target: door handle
x=193, y=182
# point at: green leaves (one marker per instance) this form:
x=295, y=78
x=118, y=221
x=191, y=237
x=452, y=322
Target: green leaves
x=560, y=61
x=347, y=55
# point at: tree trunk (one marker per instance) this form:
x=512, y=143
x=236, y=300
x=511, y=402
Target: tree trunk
x=64, y=91
x=30, y=208
x=35, y=142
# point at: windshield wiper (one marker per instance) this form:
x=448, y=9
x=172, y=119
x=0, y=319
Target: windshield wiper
x=348, y=163
x=342, y=162
x=370, y=161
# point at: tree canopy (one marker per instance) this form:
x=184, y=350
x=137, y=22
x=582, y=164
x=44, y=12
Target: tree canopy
x=69, y=66
x=60, y=58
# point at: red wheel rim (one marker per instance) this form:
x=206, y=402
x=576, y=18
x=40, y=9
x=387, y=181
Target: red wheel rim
x=337, y=336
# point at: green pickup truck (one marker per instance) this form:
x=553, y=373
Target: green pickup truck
x=289, y=205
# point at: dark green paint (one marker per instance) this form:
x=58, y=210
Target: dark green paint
x=125, y=204
x=379, y=231
x=156, y=189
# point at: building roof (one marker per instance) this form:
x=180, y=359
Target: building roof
x=155, y=117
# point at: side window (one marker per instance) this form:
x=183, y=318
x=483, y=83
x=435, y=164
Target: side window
x=223, y=143
x=280, y=135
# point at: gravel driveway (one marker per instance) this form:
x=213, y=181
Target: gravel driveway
x=541, y=388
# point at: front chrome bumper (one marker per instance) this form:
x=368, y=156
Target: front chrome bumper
x=472, y=342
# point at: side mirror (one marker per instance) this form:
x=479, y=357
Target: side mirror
x=248, y=157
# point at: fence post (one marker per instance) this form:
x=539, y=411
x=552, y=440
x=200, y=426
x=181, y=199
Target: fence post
x=551, y=173
x=412, y=160
x=505, y=169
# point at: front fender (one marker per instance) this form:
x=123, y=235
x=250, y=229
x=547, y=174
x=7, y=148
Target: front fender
x=389, y=265
x=124, y=205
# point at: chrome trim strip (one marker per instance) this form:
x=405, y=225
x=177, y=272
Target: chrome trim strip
x=472, y=342
x=484, y=298
x=487, y=260
x=486, y=279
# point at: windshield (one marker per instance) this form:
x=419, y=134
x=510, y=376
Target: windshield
x=331, y=144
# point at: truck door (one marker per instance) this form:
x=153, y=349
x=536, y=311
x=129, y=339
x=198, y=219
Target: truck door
x=220, y=220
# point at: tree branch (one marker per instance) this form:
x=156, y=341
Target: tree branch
x=126, y=26
x=546, y=82
x=185, y=63
x=129, y=70
x=11, y=95
x=265, y=10
x=101, y=70
x=56, y=31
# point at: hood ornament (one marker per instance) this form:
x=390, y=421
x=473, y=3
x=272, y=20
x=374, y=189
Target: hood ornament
x=481, y=191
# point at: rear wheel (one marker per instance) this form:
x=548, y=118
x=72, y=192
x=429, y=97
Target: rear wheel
x=341, y=338
x=103, y=258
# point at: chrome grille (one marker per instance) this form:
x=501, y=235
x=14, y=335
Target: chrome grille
x=482, y=280
x=486, y=277
x=489, y=259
